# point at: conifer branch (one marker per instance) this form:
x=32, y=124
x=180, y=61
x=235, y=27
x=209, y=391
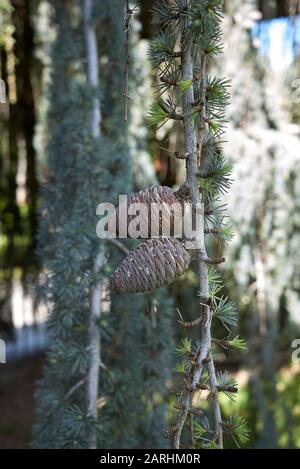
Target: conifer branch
x=202, y=109
x=119, y=245
x=96, y=291
x=197, y=412
x=128, y=16
x=176, y=154
x=189, y=325
x=214, y=261
x=191, y=147
x=220, y=388
x=202, y=103
x=215, y=403
x=73, y=389
x=129, y=12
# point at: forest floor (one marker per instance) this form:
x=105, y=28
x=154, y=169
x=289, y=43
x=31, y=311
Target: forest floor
x=17, y=386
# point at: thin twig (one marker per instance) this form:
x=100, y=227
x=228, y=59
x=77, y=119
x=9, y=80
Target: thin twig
x=220, y=388
x=73, y=389
x=202, y=110
x=128, y=17
x=176, y=154
x=119, y=245
x=190, y=324
x=214, y=261
x=213, y=383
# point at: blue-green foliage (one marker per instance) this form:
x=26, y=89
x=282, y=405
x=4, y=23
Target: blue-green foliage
x=140, y=366
x=82, y=172
x=76, y=171
x=138, y=358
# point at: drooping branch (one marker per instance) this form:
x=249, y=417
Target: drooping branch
x=197, y=23
x=128, y=17
x=96, y=291
x=193, y=147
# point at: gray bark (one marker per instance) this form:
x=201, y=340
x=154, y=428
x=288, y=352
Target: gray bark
x=192, y=162
x=96, y=291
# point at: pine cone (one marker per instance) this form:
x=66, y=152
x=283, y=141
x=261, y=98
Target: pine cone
x=153, y=223
x=153, y=264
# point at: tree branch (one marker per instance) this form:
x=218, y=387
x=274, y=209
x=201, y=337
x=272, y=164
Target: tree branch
x=119, y=245
x=96, y=291
x=214, y=389
x=128, y=16
x=190, y=147
x=194, y=150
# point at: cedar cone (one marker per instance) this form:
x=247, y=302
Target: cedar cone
x=172, y=204
x=153, y=264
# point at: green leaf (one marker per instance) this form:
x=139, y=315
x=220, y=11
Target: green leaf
x=225, y=234
x=214, y=275
x=156, y=114
x=214, y=282
x=210, y=445
x=215, y=176
x=213, y=49
x=226, y=312
x=224, y=379
x=179, y=367
x=185, y=85
x=161, y=48
x=167, y=13
x=238, y=343
x=199, y=431
x=214, y=289
x=215, y=214
x=185, y=347
x=216, y=125
x=217, y=91
x=238, y=429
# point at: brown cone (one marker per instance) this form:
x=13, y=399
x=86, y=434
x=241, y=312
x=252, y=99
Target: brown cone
x=173, y=205
x=153, y=264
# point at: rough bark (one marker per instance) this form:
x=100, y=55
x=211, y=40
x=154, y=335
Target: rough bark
x=194, y=151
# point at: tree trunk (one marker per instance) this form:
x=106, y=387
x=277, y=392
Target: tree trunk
x=96, y=292
x=23, y=49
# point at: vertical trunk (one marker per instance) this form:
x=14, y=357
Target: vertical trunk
x=23, y=49
x=95, y=312
x=29, y=122
x=10, y=216
x=9, y=148
x=269, y=438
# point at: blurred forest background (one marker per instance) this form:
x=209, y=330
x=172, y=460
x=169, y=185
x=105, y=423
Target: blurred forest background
x=45, y=149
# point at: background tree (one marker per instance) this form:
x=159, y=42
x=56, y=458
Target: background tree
x=98, y=166
x=18, y=69
x=261, y=272
x=262, y=147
